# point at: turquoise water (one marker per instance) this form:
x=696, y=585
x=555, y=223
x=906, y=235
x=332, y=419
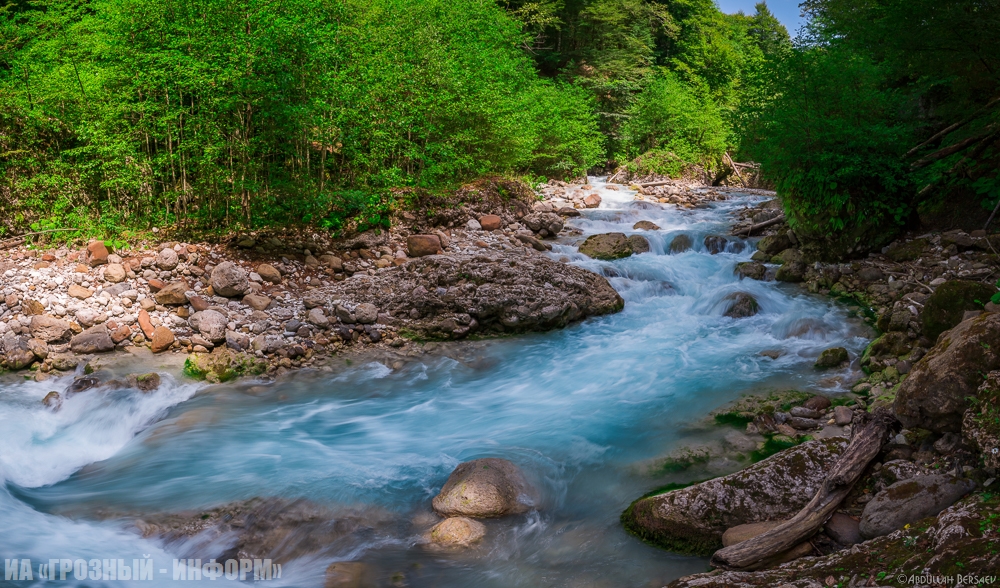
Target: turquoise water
x=577, y=409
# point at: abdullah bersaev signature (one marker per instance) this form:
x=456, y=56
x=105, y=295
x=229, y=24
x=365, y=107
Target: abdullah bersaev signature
x=139, y=569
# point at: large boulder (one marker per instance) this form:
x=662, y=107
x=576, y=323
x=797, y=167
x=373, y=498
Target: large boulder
x=96, y=339
x=49, y=328
x=607, y=246
x=229, y=279
x=487, y=487
x=692, y=520
x=947, y=305
x=910, y=500
x=453, y=296
x=934, y=395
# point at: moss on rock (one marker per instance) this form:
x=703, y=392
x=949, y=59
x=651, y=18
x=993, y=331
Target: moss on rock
x=946, y=306
x=222, y=365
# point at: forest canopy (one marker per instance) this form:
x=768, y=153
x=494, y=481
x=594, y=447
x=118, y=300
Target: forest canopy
x=208, y=115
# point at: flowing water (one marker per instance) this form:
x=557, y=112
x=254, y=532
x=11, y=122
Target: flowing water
x=578, y=409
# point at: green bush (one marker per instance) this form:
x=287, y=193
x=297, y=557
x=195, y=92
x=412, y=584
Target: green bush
x=672, y=120
x=832, y=142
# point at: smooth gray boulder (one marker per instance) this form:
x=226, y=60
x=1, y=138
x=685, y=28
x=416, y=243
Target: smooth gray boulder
x=909, y=501
x=488, y=487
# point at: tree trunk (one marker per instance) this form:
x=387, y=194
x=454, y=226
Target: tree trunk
x=871, y=432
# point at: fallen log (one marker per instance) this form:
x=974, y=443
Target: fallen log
x=651, y=184
x=871, y=433
x=736, y=169
x=778, y=219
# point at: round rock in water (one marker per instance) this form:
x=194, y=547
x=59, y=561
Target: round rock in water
x=488, y=487
x=457, y=532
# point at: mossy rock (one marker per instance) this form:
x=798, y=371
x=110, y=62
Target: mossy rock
x=608, y=246
x=946, y=306
x=907, y=251
x=831, y=358
x=692, y=520
x=750, y=269
x=222, y=365
x=746, y=409
x=774, y=244
x=892, y=344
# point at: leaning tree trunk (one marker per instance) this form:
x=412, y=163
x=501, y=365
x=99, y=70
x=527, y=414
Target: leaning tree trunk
x=865, y=445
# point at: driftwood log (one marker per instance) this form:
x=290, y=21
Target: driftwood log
x=871, y=433
x=778, y=219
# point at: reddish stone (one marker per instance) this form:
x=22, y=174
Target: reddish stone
x=156, y=285
x=78, y=291
x=121, y=333
x=198, y=303
x=145, y=324
x=97, y=253
x=81, y=269
x=490, y=222
x=592, y=201
x=421, y=245
x=41, y=265
x=48, y=257
x=162, y=338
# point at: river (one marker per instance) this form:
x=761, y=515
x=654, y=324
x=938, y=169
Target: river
x=580, y=410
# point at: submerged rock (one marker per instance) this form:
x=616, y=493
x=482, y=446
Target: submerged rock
x=645, y=225
x=488, y=487
x=741, y=305
x=751, y=269
x=909, y=501
x=639, y=244
x=934, y=395
x=607, y=246
x=680, y=244
x=692, y=520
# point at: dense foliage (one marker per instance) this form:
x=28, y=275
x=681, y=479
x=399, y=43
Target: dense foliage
x=117, y=113
x=883, y=108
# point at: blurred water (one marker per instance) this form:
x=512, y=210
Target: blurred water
x=576, y=409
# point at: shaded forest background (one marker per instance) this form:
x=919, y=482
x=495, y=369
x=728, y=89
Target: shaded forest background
x=207, y=116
